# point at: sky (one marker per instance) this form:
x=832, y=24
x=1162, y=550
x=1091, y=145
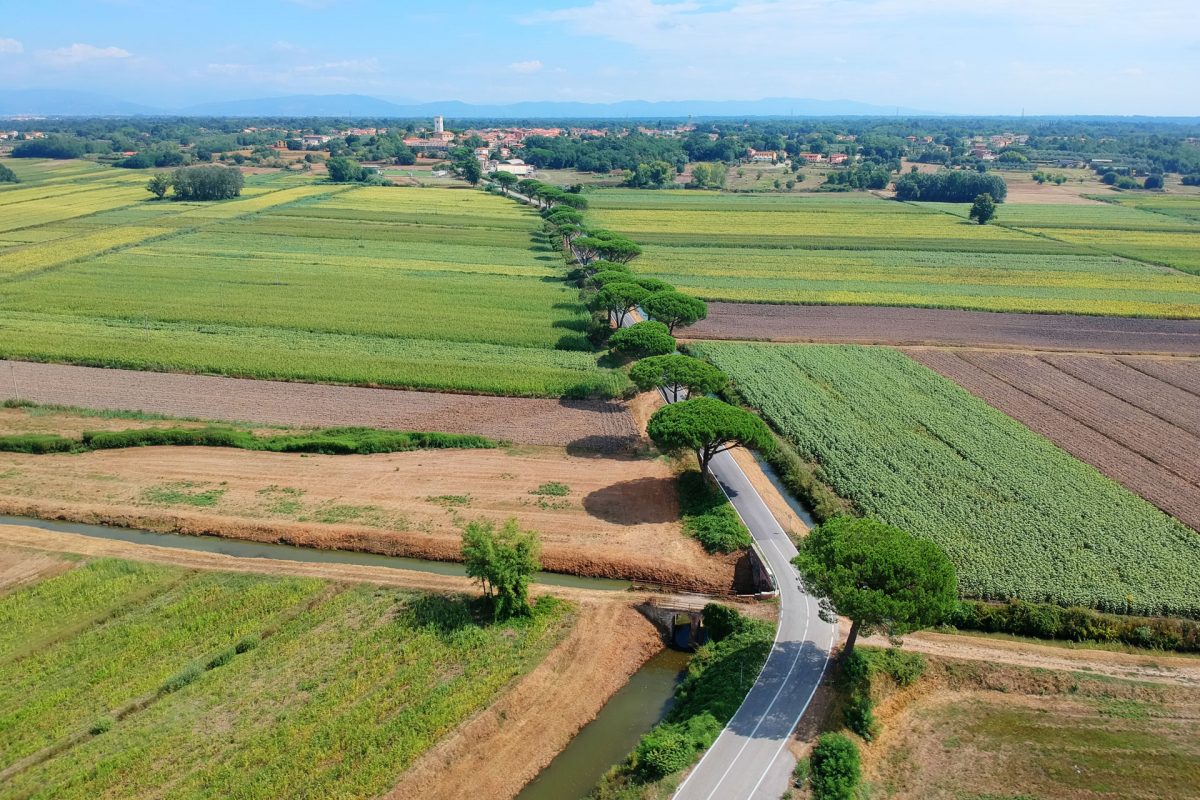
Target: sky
x=947, y=56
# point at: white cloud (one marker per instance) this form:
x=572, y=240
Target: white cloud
x=11, y=46
x=525, y=67
x=81, y=53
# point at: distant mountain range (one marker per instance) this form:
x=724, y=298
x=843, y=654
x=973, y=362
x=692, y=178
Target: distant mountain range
x=69, y=103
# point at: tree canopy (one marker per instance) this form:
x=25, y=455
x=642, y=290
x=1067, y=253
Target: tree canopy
x=7, y=175
x=950, y=186
x=652, y=175
x=504, y=562
x=159, y=184
x=207, y=183
x=708, y=427
x=882, y=578
x=983, y=209
x=618, y=298
x=675, y=309
x=643, y=339
x=675, y=373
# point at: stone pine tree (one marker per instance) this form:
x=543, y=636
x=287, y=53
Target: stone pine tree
x=707, y=426
x=882, y=578
x=677, y=373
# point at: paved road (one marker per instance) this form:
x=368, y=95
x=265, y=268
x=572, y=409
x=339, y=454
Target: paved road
x=750, y=759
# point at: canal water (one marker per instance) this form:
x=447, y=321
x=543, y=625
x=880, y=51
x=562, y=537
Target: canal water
x=247, y=549
x=604, y=742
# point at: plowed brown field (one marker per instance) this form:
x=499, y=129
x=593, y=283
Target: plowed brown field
x=586, y=424
x=1117, y=413
x=933, y=326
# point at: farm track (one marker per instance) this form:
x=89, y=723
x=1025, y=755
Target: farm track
x=1112, y=413
x=595, y=425
x=947, y=327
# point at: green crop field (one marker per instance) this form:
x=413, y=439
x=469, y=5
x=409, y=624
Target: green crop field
x=1158, y=229
x=1018, y=516
x=404, y=287
x=858, y=249
x=134, y=678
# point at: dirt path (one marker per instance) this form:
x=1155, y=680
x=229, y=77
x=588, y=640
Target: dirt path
x=21, y=567
x=586, y=424
x=504, y=747
x=1156, y=668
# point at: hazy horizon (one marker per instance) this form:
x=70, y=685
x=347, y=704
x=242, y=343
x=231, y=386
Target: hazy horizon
x=1060, y=58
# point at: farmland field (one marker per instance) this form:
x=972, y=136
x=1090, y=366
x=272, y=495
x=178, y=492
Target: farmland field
x=1154, y=229
x=130, y=677
x=416, y=288
x=863, y=250
x=1137, y=420
x=1017, y=516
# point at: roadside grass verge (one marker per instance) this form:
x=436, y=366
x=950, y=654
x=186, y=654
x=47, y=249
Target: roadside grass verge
x=709, y=517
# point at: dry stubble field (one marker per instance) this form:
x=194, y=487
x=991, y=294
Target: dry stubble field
x=602, y=516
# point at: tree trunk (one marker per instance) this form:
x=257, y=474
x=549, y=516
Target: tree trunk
x=850, y=640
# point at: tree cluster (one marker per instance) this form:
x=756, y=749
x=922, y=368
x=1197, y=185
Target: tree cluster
x=652, y=175
x=7, y=175
x=203, y=183
x=950, y=186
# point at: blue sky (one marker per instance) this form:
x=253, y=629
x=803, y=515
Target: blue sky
x=956, y=56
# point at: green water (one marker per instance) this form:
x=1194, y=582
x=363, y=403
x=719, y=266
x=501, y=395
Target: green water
x=287, y=552
x=604, y=742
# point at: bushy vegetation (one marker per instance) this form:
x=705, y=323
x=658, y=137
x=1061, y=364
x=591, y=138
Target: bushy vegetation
x=7, y=175
x=718, y=679
x=1045, y=621
x=708, y=515
x=835, y=768
x=1017, y=516
x=315, y=689
x=642, y=339
x=330, y=441
x=950, y=186
x=860, y=670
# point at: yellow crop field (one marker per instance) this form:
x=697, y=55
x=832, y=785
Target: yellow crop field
x=39, y=256
x=67, y=206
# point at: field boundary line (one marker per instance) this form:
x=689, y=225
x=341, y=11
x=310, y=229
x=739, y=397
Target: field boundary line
x=1085, y=424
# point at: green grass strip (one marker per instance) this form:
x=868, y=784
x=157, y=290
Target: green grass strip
x=330, y=441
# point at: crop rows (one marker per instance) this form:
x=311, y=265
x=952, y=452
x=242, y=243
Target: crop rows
x=1018, y=516
x=428, y=289
x=1136, y=429
x=862, y=250
x=337, y=693
x=295, y=355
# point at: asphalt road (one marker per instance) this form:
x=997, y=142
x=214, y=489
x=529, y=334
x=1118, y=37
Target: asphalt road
x=750, y=759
